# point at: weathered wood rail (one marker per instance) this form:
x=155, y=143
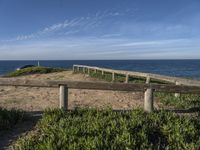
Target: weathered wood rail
x=63, y=86
x=148, y=76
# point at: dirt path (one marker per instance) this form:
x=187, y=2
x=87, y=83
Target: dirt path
x=37, y=99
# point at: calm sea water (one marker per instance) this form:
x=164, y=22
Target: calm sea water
x=181, y=68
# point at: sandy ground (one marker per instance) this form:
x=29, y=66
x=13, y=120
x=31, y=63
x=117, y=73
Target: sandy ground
x=37, y=99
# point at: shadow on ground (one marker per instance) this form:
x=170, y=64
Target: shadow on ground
x=189, y=110
x=8, y=137
x=192, y=110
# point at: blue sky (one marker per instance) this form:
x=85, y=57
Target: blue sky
x=99, y=29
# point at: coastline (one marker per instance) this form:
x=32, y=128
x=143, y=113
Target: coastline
x=179, y=68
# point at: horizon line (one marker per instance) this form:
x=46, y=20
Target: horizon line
x=93, y=59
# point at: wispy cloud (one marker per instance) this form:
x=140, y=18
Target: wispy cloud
x=72, y=26
x=148, y=43
x=111, y=35
x=109, y=24
x=67, y=24
x=94, y=48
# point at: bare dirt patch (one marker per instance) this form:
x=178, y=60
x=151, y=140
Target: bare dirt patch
x=37, y=99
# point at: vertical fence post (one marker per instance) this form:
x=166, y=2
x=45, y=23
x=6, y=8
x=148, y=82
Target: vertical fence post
x=113, y=76
x=84, y=70
x=127, y=77
x=177, y=94
x=77, y=68
x=73, y=68
x=102, y=72
x=148, y=100
x=88, y=69
x=63, y=97
x=95, y=70
x=148, y=79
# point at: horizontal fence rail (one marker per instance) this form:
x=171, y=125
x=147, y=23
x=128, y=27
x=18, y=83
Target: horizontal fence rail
x=99, y=85
x=148, y=76
x=148, y=89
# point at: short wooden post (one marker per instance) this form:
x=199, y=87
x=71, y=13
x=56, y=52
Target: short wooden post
x=113, y=76
x=77, y=69
x=84, y=70
x=177, y=94
x=148, y=79
x=88, y=69
x=73, y=68
x=102, y=72
x=127, y=77
x=63, y=97
x=95, y=70
x=148, y=100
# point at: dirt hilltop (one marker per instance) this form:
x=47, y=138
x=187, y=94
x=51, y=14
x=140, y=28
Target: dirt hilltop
x=37, y=99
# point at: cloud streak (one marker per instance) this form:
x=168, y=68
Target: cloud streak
x=149, y=43
x=92, y=48
x=71, y=26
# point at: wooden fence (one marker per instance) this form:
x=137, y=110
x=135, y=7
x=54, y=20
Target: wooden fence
x=63, y=86
x=148, y=76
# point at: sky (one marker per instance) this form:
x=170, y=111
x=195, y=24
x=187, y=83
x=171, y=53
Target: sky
x=99, y=29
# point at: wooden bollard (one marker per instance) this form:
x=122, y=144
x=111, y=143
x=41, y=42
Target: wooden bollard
x=95, y=70
x=148, y=100
x=73, y=68
x=88, y=69
x=63, y=97
x=113, y=76
x=148, y=79
x=77, y=69
x=84, y=70
x=177, y=94
x=102, y=72
x=127, y=77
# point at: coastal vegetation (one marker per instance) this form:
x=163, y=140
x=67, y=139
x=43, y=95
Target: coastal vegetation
x=118, y=77
x=34, y=70
x=108, y=129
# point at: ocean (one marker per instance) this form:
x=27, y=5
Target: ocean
x=179, y=68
